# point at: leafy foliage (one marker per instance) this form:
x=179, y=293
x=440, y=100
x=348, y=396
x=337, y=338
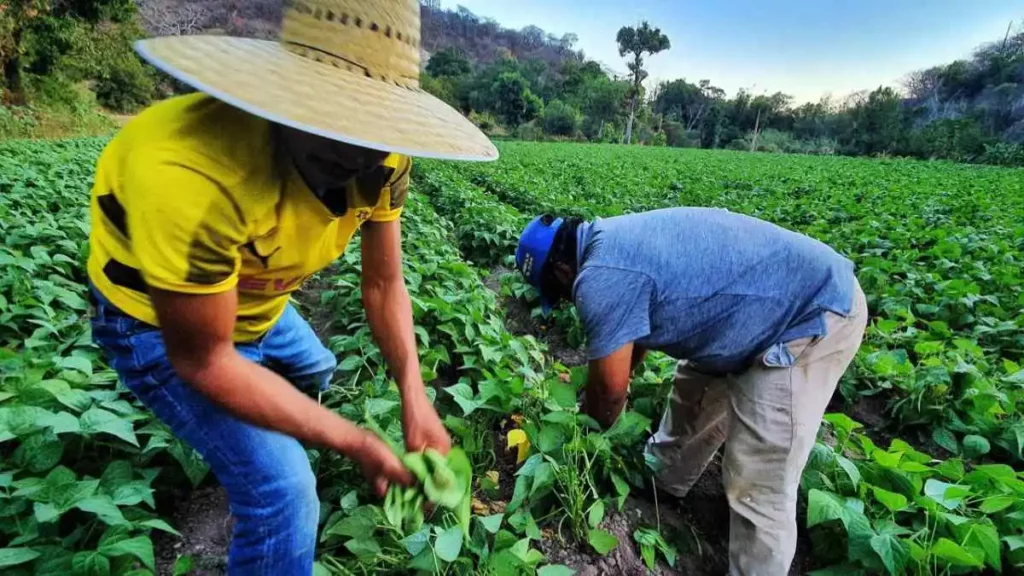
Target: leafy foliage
x=80, y=467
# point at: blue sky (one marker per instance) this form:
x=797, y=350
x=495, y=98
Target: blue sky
x=807, y=48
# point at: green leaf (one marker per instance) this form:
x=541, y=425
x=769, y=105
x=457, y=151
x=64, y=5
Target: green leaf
x=77, y=400
x=596, y=514
x=360, y=522
x=449, y=544
x=183, y=567
x=158, y=524
x=15, y=556
x=975, y=446
x=551, y=438
x=887, y=459
x=350, y=363
x=994, y=504
x=949, y=496
x=99, y=420
x=190, y=460
x=629, y=428
x=946, y=439
x=893, y=553
x=984, y=537
x=425, y=561
x=140, y=547
x=894, y=501
x=378, y=406
x=555, y=570
x=491, y=523
x=62, y=422
x=77, y=363
x=564, y=395
x=349, y=501
x=363, y=547
x=842, y=423
x=462, y=393
x=1014, y=542
x=415, y=543
x=39, y=452
x=954, y=554
x=850, y=468
x=647, y=552
x=823, y=507
x=102, y=506
x=603, y=542
x=90, y=564
x=543, y=478
x=45, y=512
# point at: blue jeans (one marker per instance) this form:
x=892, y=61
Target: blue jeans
x=270, y=485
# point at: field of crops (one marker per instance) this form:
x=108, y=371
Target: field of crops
x=916, y=471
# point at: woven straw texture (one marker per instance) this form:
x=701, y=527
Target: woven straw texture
x=344, y=69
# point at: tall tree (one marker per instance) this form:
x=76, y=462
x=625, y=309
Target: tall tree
x=637, y=42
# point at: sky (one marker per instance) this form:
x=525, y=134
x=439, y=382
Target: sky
x=806, y=48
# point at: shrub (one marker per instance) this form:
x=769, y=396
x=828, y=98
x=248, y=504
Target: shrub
x=958, y=139
x=528, y=131
x=1003, y=154
x=125, y=86
x=560, y=119
x=484, y=121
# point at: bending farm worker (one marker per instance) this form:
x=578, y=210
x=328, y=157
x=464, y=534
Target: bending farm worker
x=209, y=210
x=764, y=322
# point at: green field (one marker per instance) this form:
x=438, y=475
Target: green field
x=929, y=483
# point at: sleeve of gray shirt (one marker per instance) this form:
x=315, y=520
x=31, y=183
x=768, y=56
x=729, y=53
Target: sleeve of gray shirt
x=614, y=306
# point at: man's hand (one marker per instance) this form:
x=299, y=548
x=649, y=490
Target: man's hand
x=422, y=426
x=379, y=464
x=608, y=385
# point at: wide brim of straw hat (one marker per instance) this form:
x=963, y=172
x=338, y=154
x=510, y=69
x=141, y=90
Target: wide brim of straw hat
x=264, y=79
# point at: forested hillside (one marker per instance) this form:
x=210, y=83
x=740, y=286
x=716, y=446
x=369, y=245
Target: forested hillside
x=529, y=84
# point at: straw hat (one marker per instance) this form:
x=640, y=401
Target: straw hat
x=346, y=70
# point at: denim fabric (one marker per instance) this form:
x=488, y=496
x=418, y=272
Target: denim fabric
x=271, y=488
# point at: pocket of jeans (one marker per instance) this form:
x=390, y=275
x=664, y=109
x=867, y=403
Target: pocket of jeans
x=787, y=354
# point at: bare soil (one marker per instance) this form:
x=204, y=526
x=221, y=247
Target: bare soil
x=205, y=525
x=519, y=321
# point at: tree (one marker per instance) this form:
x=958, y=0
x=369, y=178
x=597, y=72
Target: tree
x=448, y=62
x=47, y=21
x=560, y=119
x=512, y=99
x=637, y=42
x=602, y=100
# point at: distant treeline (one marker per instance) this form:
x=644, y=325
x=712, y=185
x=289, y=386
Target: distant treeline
x=73, y=54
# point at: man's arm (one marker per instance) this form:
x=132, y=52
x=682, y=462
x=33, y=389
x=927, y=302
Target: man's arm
x=389, y=312
x=608, y=384
x=198, y=330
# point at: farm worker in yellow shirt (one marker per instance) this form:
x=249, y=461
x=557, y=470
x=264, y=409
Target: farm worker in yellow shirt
x=210, y=210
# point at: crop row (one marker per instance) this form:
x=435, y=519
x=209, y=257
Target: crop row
x=82, y=465
x=938, y=246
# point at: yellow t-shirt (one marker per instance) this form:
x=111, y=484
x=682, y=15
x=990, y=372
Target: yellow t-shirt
x=191, y=197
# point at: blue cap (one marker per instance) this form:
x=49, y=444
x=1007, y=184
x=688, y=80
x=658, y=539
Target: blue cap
x=534, y=246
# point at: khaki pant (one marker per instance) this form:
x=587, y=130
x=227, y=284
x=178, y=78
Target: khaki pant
x=768, y=418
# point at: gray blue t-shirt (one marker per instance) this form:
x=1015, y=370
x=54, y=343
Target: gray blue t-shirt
x=706, y=285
